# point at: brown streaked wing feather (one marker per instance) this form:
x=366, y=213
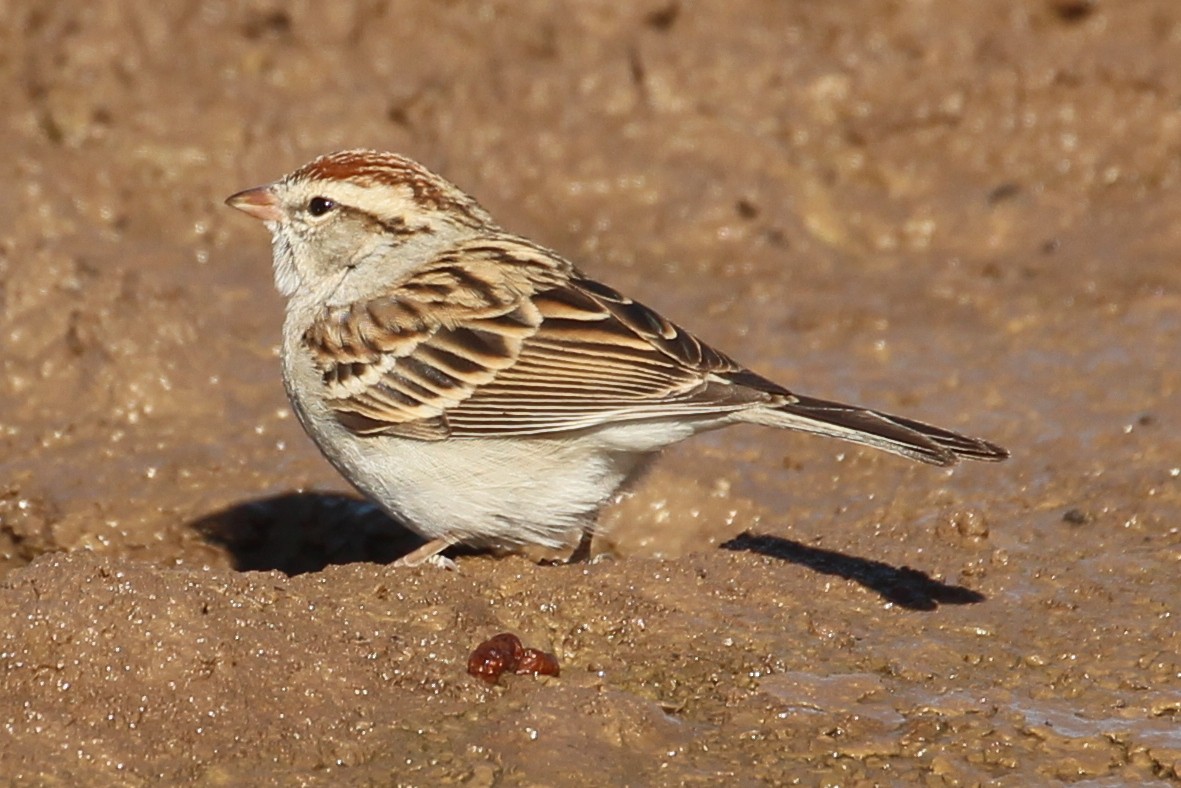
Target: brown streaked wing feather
x=600, y=358
x=512, y=341
x=506, y=339
x=399, y=363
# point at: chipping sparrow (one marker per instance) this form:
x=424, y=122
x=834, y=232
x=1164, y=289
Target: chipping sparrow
x=481, y=388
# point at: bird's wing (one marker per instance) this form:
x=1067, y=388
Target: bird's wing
x=507, y=339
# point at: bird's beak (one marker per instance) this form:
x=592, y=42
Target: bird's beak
x=259, y=202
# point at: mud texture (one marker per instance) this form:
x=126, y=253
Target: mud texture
x=969, y=213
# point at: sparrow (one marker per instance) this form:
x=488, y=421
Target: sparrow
x=481, y=388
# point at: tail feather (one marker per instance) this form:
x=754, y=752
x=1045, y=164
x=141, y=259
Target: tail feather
x=906, y=437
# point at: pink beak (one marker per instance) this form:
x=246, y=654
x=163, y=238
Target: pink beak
x=259, y=202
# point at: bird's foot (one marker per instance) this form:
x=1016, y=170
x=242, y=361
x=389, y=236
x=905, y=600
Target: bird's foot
x=429, y=553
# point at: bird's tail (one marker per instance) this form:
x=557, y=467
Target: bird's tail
x=906, y=437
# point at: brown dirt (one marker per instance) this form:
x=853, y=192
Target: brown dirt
x=966, y=212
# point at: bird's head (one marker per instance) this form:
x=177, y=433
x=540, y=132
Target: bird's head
x=357, y=210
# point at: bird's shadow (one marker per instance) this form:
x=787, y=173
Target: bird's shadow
x=905, y=587
x=305, y=532
x=296, y=533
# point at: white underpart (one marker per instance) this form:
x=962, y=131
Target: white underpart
x=482, y=491
x=500, y=492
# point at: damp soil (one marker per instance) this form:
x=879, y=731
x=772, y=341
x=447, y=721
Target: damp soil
x=969, y=213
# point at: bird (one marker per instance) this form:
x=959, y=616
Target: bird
x=481, y=388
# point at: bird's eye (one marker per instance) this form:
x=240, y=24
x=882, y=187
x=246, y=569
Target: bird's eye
x=318, y=206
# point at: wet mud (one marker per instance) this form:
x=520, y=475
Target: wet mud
x=969, y=213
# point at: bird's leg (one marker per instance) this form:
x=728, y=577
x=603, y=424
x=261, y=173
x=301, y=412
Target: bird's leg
x=582, y=553
x=429, y=554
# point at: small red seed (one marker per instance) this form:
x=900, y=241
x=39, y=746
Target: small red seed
x=539, y=663
x=494, y=656
x=486, y=664
x=510, y=644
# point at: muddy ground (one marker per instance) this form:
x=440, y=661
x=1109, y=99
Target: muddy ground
x=969, y=213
